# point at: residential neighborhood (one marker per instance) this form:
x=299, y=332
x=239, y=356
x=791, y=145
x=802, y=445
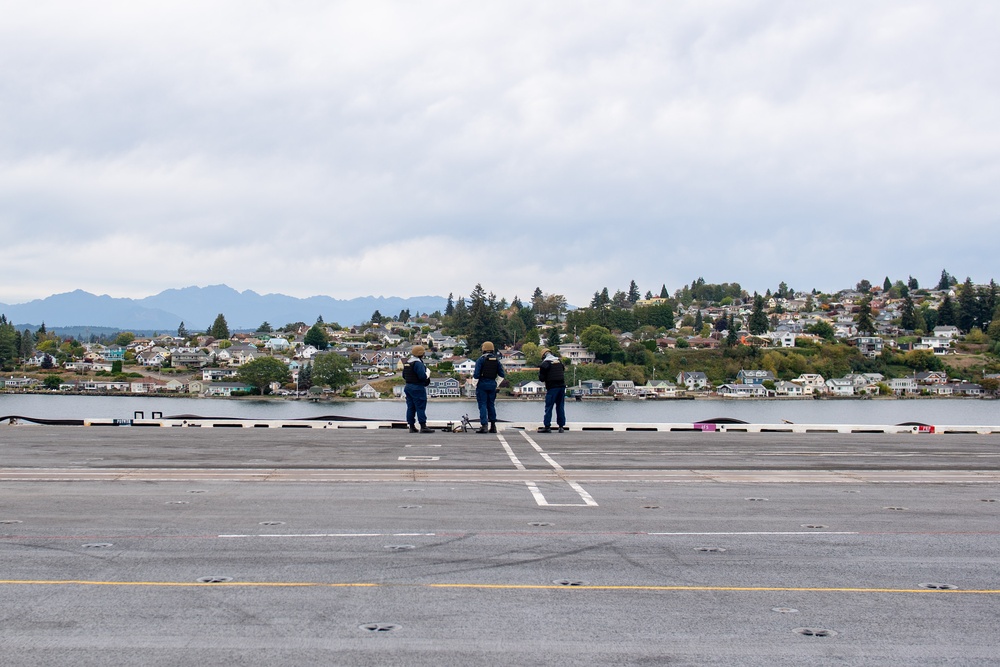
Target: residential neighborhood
x=704, y=340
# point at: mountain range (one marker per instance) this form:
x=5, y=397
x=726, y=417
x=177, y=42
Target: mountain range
x=197, y=308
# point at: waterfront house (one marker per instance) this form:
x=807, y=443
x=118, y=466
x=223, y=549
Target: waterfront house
x=870, y=346
x=529, y=388
x=754, y=376
x=368, y=391
x=661, y=388
x=785, y=388
x=811, y=383
x=840, y=386
x=443, y=388
x=739, y=390
x=692, y=380
x=622, y=388
x=218, y=374
x=931, y=377
x=903, y=386
x=226, y=388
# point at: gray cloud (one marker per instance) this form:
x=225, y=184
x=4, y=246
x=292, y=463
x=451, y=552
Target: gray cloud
x=323, y=148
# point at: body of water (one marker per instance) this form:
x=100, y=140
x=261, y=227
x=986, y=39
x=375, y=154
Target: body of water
x=829, y=411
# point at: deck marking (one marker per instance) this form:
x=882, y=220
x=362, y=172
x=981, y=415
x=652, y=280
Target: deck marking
x=525, y=587
x=588, y=500
x=510, y=453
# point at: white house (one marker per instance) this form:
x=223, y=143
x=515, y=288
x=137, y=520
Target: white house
x=742, y=391
x=529, y=388
x=811, y=383
x=576, y=353
x=692, y=379
x=367, y=391
x=783, y=388
x=622, y=388
x=840, y=386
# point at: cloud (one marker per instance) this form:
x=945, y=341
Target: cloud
x=352, y=148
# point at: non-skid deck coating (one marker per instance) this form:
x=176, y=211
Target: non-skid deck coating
x=382, y=547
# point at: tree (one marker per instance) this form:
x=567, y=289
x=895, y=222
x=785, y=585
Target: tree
x=404, y=315
x=377, y=318
x=822, y=329
x=886, y=284
x=8, y=343
x=265, y=327
x=968, y=307
x=182, y=332
x=907, y=318
x=26, y=345
x=532, y=354
x=260, y=373
x=219, y=329
x=554, y=339
x=484, y=321
x=945, y=281
x=865, y=323
x=758, y=318
x=864, y=286
x=51, y=382
x=600, y=341
x=449, y=309
x=47, y=362
x=316, y=336
x=912, y=283
x=732, y=336
x=946, y=313
x=663, y=292
x=124, y=338
x=332, y=370
x=633, y=293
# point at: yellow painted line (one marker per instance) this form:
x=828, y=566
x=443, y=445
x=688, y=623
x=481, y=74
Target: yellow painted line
x=315, y=584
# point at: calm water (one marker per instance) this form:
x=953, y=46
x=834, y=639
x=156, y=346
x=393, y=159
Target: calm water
x=890, y=411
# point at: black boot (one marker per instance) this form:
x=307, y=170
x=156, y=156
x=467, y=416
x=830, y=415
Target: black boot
x=493, y=427
x=482, y=429
x=560, y=429
x=413, y=429
x=545, y=429
x=424, y=429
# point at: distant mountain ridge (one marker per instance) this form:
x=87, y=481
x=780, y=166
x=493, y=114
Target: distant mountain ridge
x=197, y=308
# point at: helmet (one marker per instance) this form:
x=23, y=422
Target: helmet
x=417, y=350
x=488, y=347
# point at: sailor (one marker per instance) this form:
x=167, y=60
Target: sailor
x=488, y=369
x=553, y=374
x=417, y=378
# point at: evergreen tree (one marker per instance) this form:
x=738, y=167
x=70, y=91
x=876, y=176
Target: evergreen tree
x=449, y=309
x=554, y=339
x=733, y=336
x=633, y=293
x=649, y=295
x=886, y=284
x=758, y=318
x=865, y=324
x=265, y=327
x=908, y=319
x=484, y=321
x=404, y=314
x=946, y=315
x=967, y=306
x=912, y=283
x=26, y=344
x=377, y=318
x=663, y=292
x=8, y=343
x=698, y=321
x=219, y=329
x=605, y=298
x=460, y=315
x=945, y=281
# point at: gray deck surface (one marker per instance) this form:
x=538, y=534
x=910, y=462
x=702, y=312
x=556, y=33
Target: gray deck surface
x=678, y=548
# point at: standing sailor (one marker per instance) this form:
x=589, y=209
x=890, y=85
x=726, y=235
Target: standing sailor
x=417, y=378
x=488, y=369
x=553, y=374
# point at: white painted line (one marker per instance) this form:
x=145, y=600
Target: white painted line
x=510, y=453
x=421, y=445
x=800, y=532
x=539, y=498
x=587, y=498
x=337, y=535
x=541, y=452
x=419, y=458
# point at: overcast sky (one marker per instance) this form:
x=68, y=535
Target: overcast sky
x=412, y=148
